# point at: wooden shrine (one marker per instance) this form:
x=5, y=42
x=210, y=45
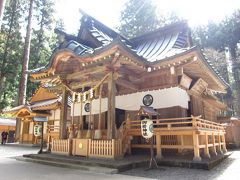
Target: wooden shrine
x=43, y=104
x=105, y=78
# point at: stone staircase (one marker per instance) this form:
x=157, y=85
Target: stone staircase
x=100, y=165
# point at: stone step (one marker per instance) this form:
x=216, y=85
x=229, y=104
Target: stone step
x=120, y=164
x=66, y=159
x=64, y=164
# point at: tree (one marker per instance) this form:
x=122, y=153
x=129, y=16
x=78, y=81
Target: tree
x=139, y=16
x=2, y=5
x=10, y=51
x=221, y=36
x=23, y=81
x=11, y=45
x=43, y=38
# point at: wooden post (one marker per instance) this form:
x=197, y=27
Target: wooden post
x=158, y=144
x=49, y=139
x=219, y=144
x=182, y=143
x=72, y=120
x=98, y=131
x=196, y=147
x=111, y=134
x=79, y=136
x=89, y=131
x=63, y=115
x=18, y=130
x=224, y=143
x=21, y=130
x=214, y=144
x=100, y=107
x=206, y=150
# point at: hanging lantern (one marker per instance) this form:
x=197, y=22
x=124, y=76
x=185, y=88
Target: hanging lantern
x=147, y=128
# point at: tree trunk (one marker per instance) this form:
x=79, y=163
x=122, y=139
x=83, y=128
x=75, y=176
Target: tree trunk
x=2, y=5
x=4, y=59
x=23, y=81
x=236, y=76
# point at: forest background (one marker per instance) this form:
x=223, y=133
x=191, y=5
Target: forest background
x=218, y=40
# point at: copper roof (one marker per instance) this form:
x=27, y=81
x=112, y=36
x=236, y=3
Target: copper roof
x=41, y=105
x=156, y=46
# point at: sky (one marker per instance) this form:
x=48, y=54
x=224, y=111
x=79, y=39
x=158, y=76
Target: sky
x=197, y=12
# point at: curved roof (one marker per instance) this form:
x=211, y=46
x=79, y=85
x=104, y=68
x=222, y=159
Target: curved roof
x=95, y=38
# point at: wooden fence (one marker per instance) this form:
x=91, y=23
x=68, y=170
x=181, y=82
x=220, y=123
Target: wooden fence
x=105, y=148
x=191, y=133
x=60, y=146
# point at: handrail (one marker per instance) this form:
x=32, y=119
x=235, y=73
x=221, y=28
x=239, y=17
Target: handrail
x=173, y=123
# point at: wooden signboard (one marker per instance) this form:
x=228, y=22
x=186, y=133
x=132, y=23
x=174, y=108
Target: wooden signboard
x=185, y=81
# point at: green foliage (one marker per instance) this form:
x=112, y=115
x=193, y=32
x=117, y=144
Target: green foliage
x=10, y=51
x=141, y=16
x=138, y=17
x=11, y=45
x=43, y=38
x=223, y=36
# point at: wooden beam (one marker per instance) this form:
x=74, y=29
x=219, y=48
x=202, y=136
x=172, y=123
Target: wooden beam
x=125, y=71
x=86, y=72
x=87, y=83
x=127, y=84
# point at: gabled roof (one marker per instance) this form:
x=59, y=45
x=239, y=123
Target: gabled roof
x=42, y=94
x=42, y=100
x=94, y=39
x=96, y=29
x=147, y=111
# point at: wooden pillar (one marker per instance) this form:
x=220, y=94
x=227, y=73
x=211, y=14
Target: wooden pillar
x=224, y=143
x=219, y=144
x=72, y=133
x=90, y=123
x=111, y=131
x=21, y=130
x=18, y=129
x=80, y=128
x=63, y=115
x=214, y=144
x=206, y=149
x=98, y=132
x=158, y=144
x=181, y=140
x=196, y=147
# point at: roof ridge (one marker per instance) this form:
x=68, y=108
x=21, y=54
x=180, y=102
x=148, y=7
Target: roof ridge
x=164, y=29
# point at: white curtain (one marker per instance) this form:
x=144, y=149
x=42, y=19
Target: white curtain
x=162, y=98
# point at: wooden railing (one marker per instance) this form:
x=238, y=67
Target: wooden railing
x=60, y=146
x=191, y=133
x=195, y=123
x=105, y=148
x=174, y=133
x=53, y=128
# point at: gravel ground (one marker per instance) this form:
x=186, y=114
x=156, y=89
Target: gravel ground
x=228, y=169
